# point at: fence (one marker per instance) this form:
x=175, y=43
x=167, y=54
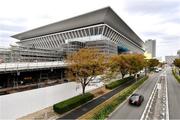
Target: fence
x=30, y=65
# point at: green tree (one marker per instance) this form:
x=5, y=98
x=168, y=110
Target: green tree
x=127, y=63
x=85, y=65
x=177, y=64
x=136, y=63
x=151, y=63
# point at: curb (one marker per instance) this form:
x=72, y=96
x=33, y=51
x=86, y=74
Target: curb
x=93, y=99
x=148, y=105
x=124, y=101
x=108, y=92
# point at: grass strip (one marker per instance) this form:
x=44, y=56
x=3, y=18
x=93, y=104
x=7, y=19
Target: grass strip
x=103, y=110
x=175, y=75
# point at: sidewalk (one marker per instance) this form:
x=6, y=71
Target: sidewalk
x=92, y=104
x=48, y=112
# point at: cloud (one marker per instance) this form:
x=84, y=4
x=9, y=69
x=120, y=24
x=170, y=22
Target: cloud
x=173, y=20
x=152, y=7
x=4, y=34
x=14, y=28
x=164, y=36
x=152, y=33
x=150, y=19
x=156, y=19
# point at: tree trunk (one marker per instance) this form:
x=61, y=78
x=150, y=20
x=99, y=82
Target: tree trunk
x=123, y=76
x=135, y=76
x=130, y=73
x=83, y=89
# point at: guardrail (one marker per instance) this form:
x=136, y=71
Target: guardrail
x=30, y=65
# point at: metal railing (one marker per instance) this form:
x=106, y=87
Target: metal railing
x=30, y=65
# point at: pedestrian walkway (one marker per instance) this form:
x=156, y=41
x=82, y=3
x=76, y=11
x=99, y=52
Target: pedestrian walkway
x=92, y=104
x=32, y=101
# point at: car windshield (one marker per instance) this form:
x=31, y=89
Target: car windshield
x=134, y=97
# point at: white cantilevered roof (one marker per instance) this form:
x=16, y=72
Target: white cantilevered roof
x=105, y=15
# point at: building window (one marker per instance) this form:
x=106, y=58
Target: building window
x=87, y=32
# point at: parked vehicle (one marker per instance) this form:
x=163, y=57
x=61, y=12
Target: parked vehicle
x=156, y=70
x=160, y=69
x=136, y=99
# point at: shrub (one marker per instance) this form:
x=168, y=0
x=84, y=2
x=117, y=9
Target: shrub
x=117, y=83
x=108, y=108
x=71, y=103
x=105, y=111
x=176, y=76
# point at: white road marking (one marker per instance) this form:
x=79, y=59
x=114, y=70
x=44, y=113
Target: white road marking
x=167, y=104
x=124, y=101
x=149, y=103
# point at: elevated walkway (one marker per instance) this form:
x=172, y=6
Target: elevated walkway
x=22, y=66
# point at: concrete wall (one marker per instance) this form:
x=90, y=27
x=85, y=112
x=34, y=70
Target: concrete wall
x=17, y=105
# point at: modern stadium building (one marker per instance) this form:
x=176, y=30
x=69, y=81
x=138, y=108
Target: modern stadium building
x=102, y=29
x=38, y=59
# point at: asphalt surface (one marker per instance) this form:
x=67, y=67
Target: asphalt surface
x=173, y=96
x=126, y=111
x=92, y=104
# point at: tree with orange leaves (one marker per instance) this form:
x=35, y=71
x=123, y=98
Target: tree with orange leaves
x=119, y=64
x=126, y=63
x=85, y=65
x=136, y=63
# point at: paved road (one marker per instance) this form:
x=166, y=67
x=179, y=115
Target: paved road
x=173, y=96
x=127, y=111
x=92, y=104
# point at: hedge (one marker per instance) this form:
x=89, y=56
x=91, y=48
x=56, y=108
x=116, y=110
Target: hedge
x=71, y=103
x=115, y=84
x=176, y=76
x=110, y=106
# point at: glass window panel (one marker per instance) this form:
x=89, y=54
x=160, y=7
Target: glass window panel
x=76, y=32
x=74, y=35
x=96, y=31
x=105, y=31
x=91, y=31
x=80, y=34
x=51, y=41
x=87, y=32
x=100, y=30
x=84, y=32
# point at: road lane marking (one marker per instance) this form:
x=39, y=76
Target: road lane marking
x=118, y=107
x=147, y=110
x=167, y=104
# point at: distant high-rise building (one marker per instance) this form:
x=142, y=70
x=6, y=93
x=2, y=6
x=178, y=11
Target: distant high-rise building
x=150, y=47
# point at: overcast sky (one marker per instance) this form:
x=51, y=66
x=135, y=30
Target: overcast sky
x=149, y=19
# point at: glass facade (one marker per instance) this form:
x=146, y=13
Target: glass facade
x=90, y=33
x=57, y=45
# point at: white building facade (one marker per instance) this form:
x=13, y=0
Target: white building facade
x=102, y=25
